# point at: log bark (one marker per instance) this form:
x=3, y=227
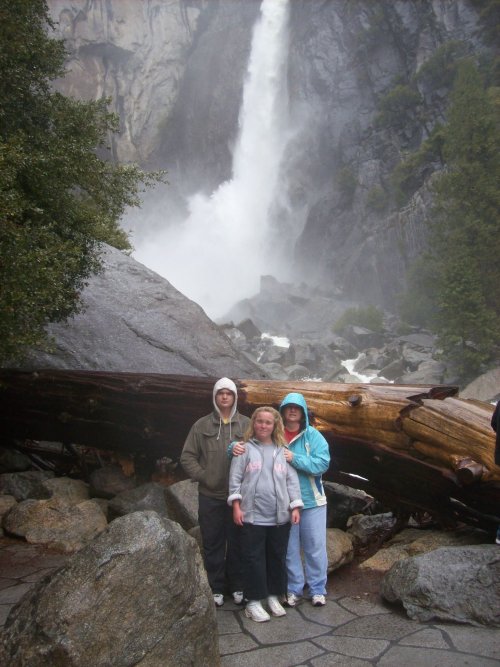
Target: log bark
x=402, y=442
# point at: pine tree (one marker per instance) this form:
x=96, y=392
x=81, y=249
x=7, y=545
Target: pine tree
x=58, y=198
x=465, y=237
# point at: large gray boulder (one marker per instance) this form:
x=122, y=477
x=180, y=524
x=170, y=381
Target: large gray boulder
x=136, y=321
x=137, y=595
x=460, y=584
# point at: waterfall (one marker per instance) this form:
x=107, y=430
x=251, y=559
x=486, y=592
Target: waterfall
x=217, y=255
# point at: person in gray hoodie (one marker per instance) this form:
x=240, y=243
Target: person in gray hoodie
x=264, y=492
x=205, y=461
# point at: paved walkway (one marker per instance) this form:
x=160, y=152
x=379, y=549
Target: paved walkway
x=351, y=631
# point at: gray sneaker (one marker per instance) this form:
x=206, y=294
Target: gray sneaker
x=256, y=611
x=291, y=600
x=318, y=601
x=274, y=606
x=238, y=597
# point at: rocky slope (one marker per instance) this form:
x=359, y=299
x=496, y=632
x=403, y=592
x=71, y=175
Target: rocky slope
x=134, y=320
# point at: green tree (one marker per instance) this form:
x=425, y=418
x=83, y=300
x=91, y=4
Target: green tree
x=465, y=227
x=58, y=199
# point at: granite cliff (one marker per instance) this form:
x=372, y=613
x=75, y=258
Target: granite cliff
x=174, y=70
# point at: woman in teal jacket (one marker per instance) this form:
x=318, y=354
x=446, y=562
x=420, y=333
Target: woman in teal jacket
x=309, y=454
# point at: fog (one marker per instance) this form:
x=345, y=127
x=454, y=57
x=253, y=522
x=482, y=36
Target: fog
x=217, y=254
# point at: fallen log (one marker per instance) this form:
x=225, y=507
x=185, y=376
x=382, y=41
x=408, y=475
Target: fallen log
x=401, y=443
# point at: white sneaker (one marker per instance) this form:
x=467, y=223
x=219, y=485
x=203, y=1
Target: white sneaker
x=274, y=605
x=218, y=599
x=238, y=597
x=318, y=601
x=256, y=611
x=292, y=600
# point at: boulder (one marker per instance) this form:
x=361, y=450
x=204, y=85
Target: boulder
x=150, y=496
x=415, y=541
x=134, y=320
x=24, y=485
x=365, y=529
x=136, y=596
x=182, y=503
x=428, y=372
x=484, y=388
x=6, y=504
x=339, y=547
x=109, y=481
x=56, y=523
x=460, y=584
x=344, y=502
x=13, y=461
x=73, y=491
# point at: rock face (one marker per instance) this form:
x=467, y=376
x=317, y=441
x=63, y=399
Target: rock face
x=175, y=72
x=137, y=595
x=458, y=584
x=134, y=320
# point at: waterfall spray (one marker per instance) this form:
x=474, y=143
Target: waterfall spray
x=218, y=254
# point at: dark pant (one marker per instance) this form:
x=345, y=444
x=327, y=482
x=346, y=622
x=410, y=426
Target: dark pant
x=263, y=549
x=221, y=545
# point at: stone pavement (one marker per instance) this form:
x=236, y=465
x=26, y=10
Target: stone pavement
x=353, y=630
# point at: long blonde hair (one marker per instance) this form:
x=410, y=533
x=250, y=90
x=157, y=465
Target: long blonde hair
x=278, y=434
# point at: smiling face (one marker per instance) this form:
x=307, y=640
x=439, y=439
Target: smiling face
x=263, y=427
x=292, y=416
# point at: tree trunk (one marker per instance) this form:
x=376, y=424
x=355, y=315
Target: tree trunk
x=405, y=443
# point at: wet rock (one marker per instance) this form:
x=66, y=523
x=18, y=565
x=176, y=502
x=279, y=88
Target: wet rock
x=459, y=584
x=136, y=596
x=428, y=372
x=135, y=320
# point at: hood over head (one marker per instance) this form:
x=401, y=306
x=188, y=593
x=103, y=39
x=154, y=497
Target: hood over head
x=225, y=383
x=294, y=398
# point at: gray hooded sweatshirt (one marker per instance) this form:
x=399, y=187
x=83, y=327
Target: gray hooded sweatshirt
x=245, y=473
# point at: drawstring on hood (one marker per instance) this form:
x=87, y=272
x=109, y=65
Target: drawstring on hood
x=225, y=383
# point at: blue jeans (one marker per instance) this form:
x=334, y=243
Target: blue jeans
x=310, y=537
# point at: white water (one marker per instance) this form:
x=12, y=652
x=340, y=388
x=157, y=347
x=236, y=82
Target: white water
x=368, y=376
x=219, y=253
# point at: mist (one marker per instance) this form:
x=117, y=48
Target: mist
x=217, y=254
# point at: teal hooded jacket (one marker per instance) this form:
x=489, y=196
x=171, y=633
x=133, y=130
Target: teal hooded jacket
x=311, y=456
